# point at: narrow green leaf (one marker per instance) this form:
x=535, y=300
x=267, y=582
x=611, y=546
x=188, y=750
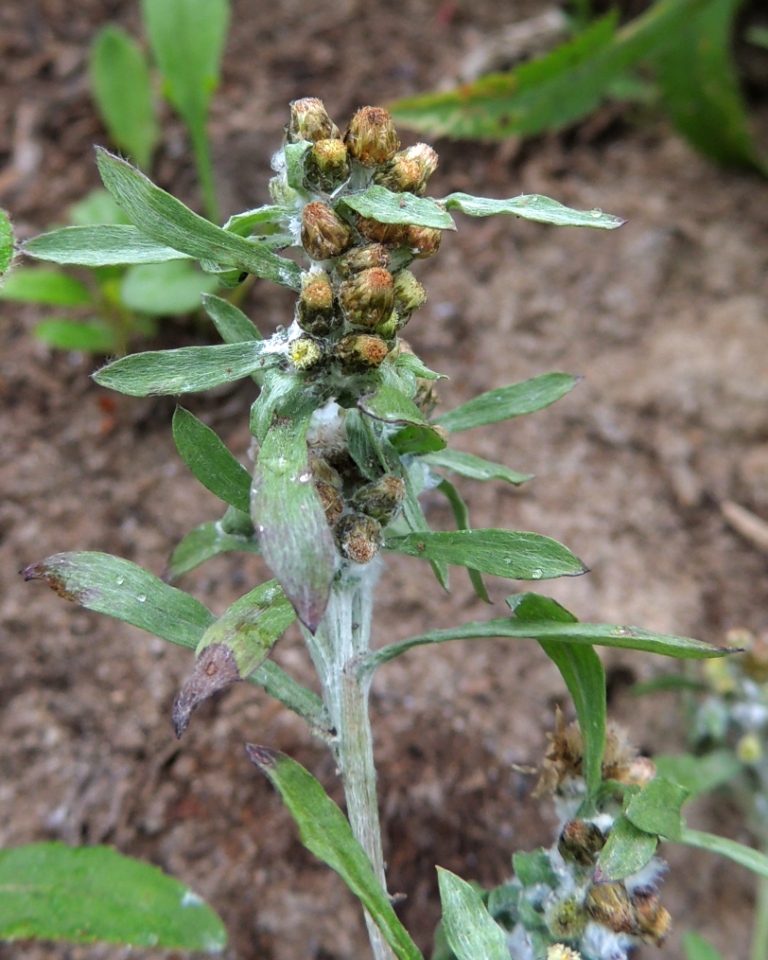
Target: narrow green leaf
x=582, y=671
x=232, y=324
x=502, y=553
x=211, y=462
x=365, y=446
x=41, y=285
x=185, y=370
x=701, y=90
x=417, y=522
x=476, y=468
x=382, y=205
x=87, y=894
x=745, y=856
x=532, y=207
x=126, y=592
x=627, y=850
x=389, y=405
x=123, y=92
x=697, y=948
x=461, y=516
x=6, y=242
x=326, y=832
x=89, y=336
x=278, y=684
x=262, y=221
x=418, y=440
x=201, y=544
x=507, y=402
x=656, y=808
x=293, y=533
x=702, y=774
x=165, y=289
x=100, y=245
x=594, y=634
x=166, y=220
x=472, y=932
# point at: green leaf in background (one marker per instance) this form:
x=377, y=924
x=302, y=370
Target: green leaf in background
x=627, y=850
x=201, y=544
x=502, y=553
x=232, y=324
x=533, y=867
x=87, y=894
x=6, y=242
x=471, y=931
x=168, y=221
x=88, y=336
x=123, y=590
x=210, y=461
x=468, y=465
x=165, y=289
x=701, y=90
x=99, y=245
x=507, y=402
x=758, y=36
x=745, y=856
x=532, y=207
x=293, y=533
x=382, y=205
x=41, y=285
x=697, y=948
x=557, y=89
x=389, y=405
x=702, y=774
x=97, y=207
x=583, y=673
x=461, y=516
x=326, y=832
x=123, y=92
x=656, y=808
x=184, y=370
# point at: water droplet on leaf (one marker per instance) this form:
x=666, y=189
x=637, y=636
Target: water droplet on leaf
x=141, y=598
x=537, y=574
x=596, y=212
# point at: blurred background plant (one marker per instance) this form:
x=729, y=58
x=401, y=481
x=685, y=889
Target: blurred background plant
x=677, y=56
x=106, y=307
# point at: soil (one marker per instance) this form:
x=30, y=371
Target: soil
x=667, y=319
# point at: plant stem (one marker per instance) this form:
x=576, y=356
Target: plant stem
x=202, y=151
x=342, y=638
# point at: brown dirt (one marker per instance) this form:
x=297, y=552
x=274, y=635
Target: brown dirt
x=667, y=319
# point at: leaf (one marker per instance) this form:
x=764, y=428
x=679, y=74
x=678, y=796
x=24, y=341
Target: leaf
x=502, y=553
x=534, y=868
x=627, y=850
x=656, y=808
x=262, y=221
x=389, y=405
x=295, y=539
x=583, y=673
x=123, y=92
x=96, y=207
x=461, y=516
x=555, y=90
x=697, y=948
x=384, y=206
x=166, y=220
x=417, y=522
x=126, y=592
x=41, y=285
x=326, y=832
x=185, y=370
x=745, y=856
x=507, y=402
x=6, y=242
x=471, y=931
x=100, y=245
x=702, y=774
x=210, y=461
x=165, y=289
x=532, y=207
x=232, y=324
x=201, y=544
x=89, y=336
x=700, y=88
x=187, y=39
x=86, y=894
x=476, y=468
x=595, y=634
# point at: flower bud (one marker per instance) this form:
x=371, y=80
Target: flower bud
x=331, y=499
x=323, y=471
x=380, y=499
x=305, y=353
x=323, y=233
x=567, y=919
x=749, y=749
x=371, y=137
x=363, y=258
x=388, y=234
x=559, y=951
x=423, y=242
x=653, y=920
x=609, y=904
x=409, y=170
x=327, y=164
x=314, y=311
x=580, y=842
x=360, y=351
x=367, y=298
x=409, y=293
x=310, y=121
x=358, y=537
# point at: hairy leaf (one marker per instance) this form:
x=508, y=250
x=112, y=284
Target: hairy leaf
x=471, y=931
x=656, y=808
x=211, y=462
x=232, y=324
x=201, y=544
x=383, y=205
x=532, y=207
x=476, y=468
x=6, y=242
x=461, y=516
x=627, y=850
x=745, y=856
x=99, y=245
